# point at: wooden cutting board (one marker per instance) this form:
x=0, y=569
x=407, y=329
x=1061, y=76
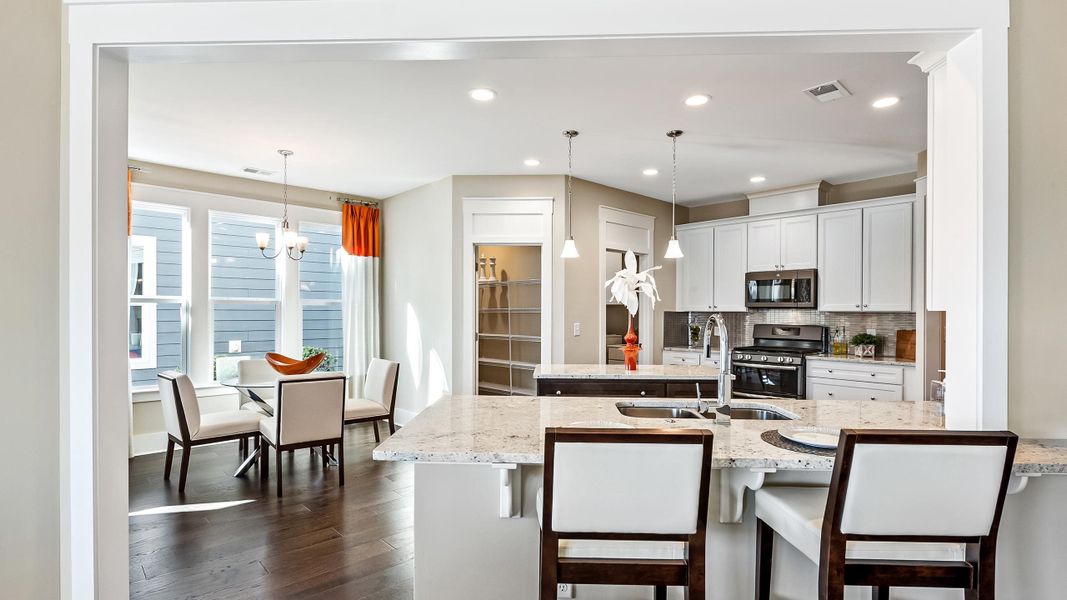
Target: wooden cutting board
x=906, y=344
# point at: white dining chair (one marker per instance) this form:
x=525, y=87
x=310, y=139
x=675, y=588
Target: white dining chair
x=188, y=427
x=378, y=401
x=625, y=507
x=256, y=370
x=904, y=509
x=309, y=414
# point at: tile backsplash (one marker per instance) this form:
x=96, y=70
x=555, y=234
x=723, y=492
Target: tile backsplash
x=676, y=324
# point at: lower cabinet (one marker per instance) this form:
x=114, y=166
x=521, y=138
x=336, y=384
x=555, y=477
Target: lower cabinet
x=830, y=389
x=626, y=389
x=837, y=380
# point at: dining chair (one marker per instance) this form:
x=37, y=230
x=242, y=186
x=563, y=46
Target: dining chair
x=188, y=427
x=379, y=397
x=309, y=414
x=625, y=507
x=256, y=369
x=904, y=509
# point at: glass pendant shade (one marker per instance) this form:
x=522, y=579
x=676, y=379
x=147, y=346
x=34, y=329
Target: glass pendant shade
x=262, y=240
x=674, y=249
x=289, y=237
x=569, y=249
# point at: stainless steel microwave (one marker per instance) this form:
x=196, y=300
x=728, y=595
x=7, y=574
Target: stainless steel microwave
x=780, y=289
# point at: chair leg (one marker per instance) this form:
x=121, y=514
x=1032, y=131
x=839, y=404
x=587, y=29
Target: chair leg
x=341, y=463
x=264, y=460
x=278, y=465
x=764, y=552
x=661, y=592
x=392, y=426
x=377, y=437
x=880, y=592
x=170, y=459
x=324, y=460
x=241, y=447
x=184, y=468
x=549, y=566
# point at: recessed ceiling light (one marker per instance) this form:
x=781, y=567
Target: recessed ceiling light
x=482, y=94
x=757, y=179
x=697, y=100
x=531, y=162
x=885, y=102
x=650, y=172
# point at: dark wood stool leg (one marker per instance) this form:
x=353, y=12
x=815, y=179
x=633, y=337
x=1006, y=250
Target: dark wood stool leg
x=170, y=459
x=764, y=552
x=341, y=463
x=880, y=592
x=184, y=468
x=278, y=465
x=392, y=426
x=549, y=566
x=264, y=460
x=324, y=459
x=661, y=592
x=377, y=436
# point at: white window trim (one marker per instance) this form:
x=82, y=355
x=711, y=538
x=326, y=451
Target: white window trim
x=147, y=244
x=319, y=301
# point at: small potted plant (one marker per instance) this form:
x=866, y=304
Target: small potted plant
x=863, y=344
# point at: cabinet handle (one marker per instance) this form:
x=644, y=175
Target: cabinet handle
x=829, y=393
x=874, y=374
x=866, y=306
x=857, y=306
x=642, y=392
x=872, y=397
x=829, y=370
x=559, y=392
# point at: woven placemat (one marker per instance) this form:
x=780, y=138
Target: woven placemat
x=774, y=438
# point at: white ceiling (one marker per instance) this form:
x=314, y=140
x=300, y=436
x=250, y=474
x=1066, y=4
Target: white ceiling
x=379, y=127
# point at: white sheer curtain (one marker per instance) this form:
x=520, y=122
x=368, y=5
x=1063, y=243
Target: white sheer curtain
x=360, y=300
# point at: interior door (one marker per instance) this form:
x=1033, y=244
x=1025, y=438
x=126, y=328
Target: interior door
x=729, y=260
x=798, y=242
x=887, y=261
x=695, y=269
x=841, y=261
x=764, y=252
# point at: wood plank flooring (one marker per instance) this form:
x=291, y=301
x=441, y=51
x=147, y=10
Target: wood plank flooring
x=320, y=541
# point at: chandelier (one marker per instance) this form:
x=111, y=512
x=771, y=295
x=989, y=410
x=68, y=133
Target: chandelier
x=293, y=242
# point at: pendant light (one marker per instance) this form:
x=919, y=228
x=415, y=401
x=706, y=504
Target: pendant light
x=674, y=250
x=569, y=249
x=290, y=238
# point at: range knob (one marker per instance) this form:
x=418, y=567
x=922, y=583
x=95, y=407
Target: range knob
x=748, y=357
x=781, y=359
x=789, y=359
x=763, y=358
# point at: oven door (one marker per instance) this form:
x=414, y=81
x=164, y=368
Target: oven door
x=765, y=380
x=780, y=289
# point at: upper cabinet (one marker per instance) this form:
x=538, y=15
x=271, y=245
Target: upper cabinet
x=788, y=243
x=865, y=259
x=728, y=268
x=694, y=276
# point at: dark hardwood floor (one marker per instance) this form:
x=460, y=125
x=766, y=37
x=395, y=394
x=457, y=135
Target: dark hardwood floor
x=319, y=541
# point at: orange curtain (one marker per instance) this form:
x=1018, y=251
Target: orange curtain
x=129, y=202
x=361, y=230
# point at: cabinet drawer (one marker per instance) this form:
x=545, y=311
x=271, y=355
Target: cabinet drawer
x=858, y=372
x=563, y=387
x=678, y=357
x=830, y=389
x=688, y=389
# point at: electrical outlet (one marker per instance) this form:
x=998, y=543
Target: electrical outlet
x=577, y=329
x=235, y=346
x=872, y=331
x=564, y=590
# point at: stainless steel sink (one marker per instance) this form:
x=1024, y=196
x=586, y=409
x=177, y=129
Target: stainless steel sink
x=756, y=414
x=659, y=412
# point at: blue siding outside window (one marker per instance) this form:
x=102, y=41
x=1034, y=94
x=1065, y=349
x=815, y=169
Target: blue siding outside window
x=166, y=228
x=320, y=290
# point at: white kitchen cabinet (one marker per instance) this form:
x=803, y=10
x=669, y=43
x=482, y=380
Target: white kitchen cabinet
x=799, y=249
x=694, y=277
x=764, y=249
x=841, y=260
x=729, y=261
x=849, y=380
x=887, y=252
x=829, y=389
x=691, y=358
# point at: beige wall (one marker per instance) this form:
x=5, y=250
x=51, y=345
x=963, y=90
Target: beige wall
x=879, y=187
x=719, y=210
x=241, y=187
x=29, y=431
x=1037, y=265
x=585, y=290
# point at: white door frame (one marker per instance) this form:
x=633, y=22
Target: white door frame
x=528, y=222
x=102, y=37
x=647, y=249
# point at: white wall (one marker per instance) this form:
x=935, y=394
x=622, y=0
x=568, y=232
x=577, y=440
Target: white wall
x=417, y=293
x=29, y=431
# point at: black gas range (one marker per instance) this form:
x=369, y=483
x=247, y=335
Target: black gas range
x=773, y=367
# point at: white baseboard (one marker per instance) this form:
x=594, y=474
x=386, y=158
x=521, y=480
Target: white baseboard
x=149, y=443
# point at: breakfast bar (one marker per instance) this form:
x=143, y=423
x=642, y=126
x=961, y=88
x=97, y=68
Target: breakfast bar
x=478, y=468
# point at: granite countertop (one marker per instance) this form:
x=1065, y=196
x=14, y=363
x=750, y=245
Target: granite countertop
x=501, y=429
x=619, y=372
x=871, y=360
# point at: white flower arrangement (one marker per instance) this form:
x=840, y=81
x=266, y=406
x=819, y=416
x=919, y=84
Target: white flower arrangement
x=628, y=284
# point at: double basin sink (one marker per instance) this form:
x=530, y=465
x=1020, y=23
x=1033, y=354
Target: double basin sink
x=678, y=412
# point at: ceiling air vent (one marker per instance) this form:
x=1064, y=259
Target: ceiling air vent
x=255, y=171
x=829, y=91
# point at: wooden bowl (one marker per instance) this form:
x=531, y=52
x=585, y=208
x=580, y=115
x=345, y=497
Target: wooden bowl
x=290, y=366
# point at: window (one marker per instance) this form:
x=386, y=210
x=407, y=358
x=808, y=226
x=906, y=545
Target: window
x=320, y=291
x=244, y=291
x=157, y=294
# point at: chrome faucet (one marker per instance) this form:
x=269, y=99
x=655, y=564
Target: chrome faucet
x=725, y=366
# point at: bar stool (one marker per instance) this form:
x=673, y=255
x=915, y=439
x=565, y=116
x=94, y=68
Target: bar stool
x=904, y=509
x=625, y=507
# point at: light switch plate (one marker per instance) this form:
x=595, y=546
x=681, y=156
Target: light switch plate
x=872, y=331
x=235, y=346
x=577, y=329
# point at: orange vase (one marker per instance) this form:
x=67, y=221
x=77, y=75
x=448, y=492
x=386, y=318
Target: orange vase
x=629, y=352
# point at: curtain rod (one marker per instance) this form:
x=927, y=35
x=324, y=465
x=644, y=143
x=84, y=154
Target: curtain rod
x=344, y=200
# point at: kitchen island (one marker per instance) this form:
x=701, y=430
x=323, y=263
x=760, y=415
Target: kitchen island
x=647, y=381
x=477, y=472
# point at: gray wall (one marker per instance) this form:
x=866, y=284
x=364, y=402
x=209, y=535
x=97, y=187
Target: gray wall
x=166, y=228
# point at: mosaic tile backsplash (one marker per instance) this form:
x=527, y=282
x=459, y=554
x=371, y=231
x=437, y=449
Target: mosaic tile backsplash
x=676, y=324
